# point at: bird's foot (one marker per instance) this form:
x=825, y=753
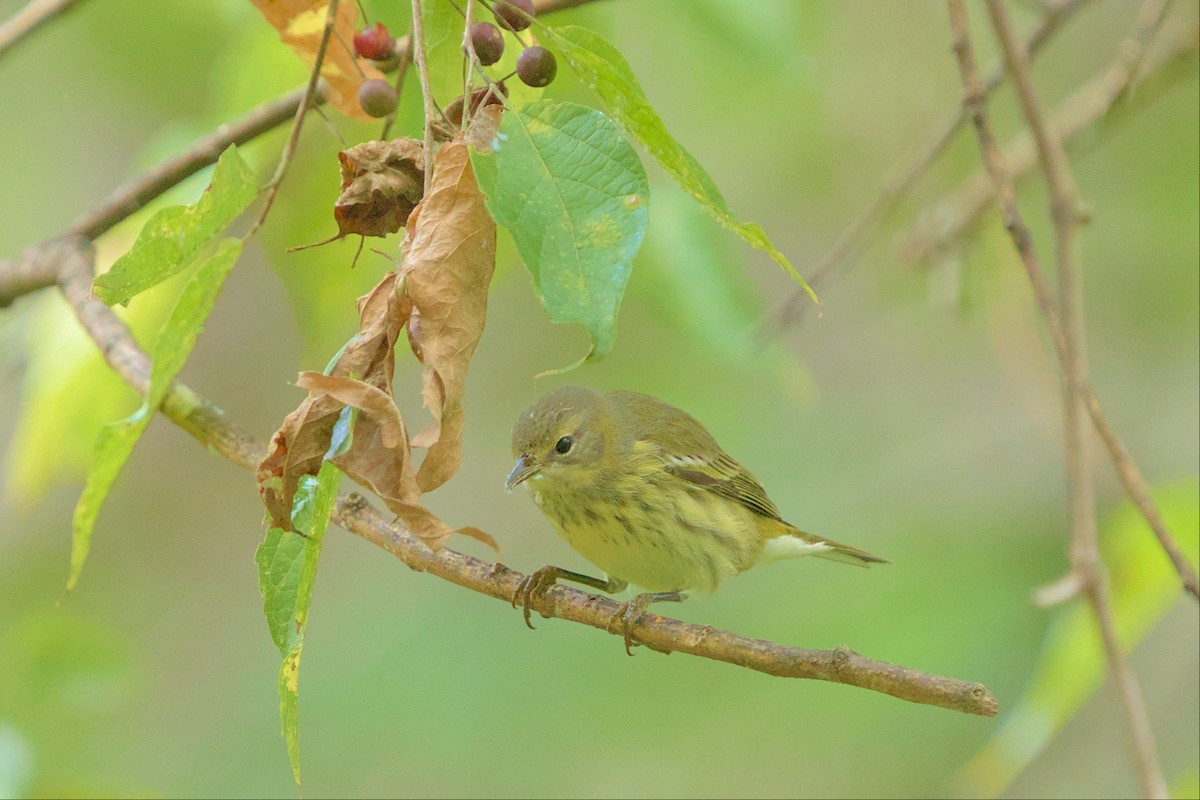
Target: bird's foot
x=630, y=612
x=533, y=586
x=536, y=583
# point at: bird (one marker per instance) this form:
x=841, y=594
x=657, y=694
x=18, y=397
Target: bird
x=643, y=491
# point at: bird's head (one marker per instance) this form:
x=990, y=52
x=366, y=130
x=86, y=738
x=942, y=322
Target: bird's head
x=562, y=438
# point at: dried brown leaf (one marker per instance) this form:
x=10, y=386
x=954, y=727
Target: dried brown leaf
x=381, y=184
x=300, y=23
x=375, y=403
x=449, y=257
x=302, y=440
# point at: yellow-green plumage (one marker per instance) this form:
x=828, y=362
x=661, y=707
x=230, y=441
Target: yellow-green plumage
x=644, y=492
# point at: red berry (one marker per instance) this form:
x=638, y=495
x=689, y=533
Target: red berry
x=377, y=97
x=536, y=66
x=508, y=14
x=374, y=43
x=488, y=42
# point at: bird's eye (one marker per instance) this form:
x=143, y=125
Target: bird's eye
x=564, y=444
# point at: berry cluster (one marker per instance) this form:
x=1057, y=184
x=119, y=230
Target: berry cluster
x=536, y=66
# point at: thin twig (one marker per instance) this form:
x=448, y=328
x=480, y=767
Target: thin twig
x=418, y=39
x=208, y=425
x=1085, y=554
x=32, y=16
x=203, y=152
x=1066, y=210
x=472, y=58
x=306, y=101
x=34, y=269
x=962, y=208
x=1135, y=48
x=904, y=175
x=1127, y=470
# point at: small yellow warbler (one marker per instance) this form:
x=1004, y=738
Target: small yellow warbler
x=644, y=492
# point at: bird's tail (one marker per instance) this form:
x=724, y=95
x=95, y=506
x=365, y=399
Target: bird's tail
x=792, y=542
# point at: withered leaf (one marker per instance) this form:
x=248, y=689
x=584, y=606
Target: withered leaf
x=300, y=23
x=299, y=445
x=381, y=184
x=375, y=403
x=450, y=253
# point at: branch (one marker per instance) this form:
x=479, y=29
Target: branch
x=1108, y=91
x=1085, y=549
x=208, y=425
x=203, y=152
x=975, y=101
x=858, y=233
x=33, y=16
x=34, y=269
x=1085, y=556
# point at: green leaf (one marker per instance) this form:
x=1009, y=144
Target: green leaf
x=173, y=238
x=1072, y=664
x=573, y=194
x=117, y=440
x=606, y=72
x=287, y=571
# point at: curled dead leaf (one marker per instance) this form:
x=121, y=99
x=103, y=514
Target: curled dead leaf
x=301, y=442
x=381, y=184
x=300, y=24
x=449, y=257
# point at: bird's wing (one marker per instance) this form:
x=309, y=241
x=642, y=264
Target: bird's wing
x=726, y=477
x=687, y=450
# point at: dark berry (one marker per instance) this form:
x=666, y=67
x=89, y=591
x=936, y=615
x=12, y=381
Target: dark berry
x=508, y=14
x=536, y=66
x=377, y=97
x=374, y=43
x=488, y=42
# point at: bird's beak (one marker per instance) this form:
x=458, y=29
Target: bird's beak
x=525, y=467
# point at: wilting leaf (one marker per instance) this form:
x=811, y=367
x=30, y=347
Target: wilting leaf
x=299, y=446
x=573, y=194
x=375, y=403
x=449, y=257
x=381, y=184
x=606, y=72
x=1072, y=665
x=172, y=238
x=117, y=440
x=300, y=23
x=287, y=568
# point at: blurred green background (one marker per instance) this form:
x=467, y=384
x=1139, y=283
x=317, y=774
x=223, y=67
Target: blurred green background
x=917, y=418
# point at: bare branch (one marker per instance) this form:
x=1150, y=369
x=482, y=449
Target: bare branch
x=975, y=101
x=36, y=268
x=207, y=424
x=1086, y=563
x=1095, y=101
x=904, y=175
x=34, y=15
x=1085, y=548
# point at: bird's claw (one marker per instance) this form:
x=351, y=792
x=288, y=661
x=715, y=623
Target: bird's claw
x=532, y=587
x=629, y=613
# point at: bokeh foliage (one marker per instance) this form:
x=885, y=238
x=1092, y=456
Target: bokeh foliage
x=918, y=417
